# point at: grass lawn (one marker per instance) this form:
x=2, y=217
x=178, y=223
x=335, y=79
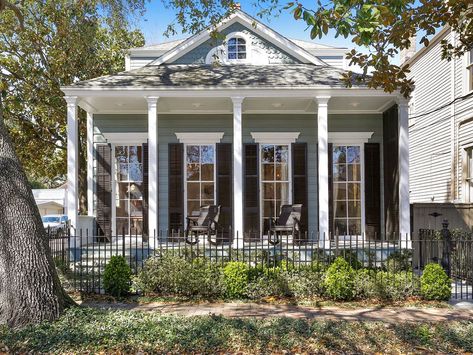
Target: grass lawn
x=83, y=330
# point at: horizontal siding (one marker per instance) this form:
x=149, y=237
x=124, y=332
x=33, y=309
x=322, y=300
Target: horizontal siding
x=139, y=62
x=168, y=125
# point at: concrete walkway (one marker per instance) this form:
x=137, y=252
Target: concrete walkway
x=389, y=315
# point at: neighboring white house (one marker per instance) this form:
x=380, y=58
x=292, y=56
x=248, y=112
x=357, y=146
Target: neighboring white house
x=441, y=126
x=250, y=123
x=50, y=201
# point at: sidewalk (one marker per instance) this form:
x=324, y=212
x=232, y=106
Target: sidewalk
x=241, y=310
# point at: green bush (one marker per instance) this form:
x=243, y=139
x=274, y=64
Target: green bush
x=305, y=283
x=269, y=282
x=399, y=261
x=435, y=283
x=117, y=276
x=351, y=258
x=173, y=275
x=339, y=280
x=236, y=276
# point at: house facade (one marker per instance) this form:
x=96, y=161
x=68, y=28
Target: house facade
x=441, y=133
x=250, y=122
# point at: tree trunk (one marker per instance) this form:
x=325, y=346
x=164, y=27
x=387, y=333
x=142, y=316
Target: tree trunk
x=30, y=290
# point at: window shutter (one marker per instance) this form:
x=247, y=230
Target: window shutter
x=330, y=189
x=299, y=179
x=176, y=187
x=224, y=184
x=104, y=190
x=251, y=214
x=372, y=191
x=145, y=161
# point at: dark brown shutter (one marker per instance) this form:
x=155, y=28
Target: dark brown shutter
x=251, y=192
x=299, y=179
x=224, y=184
x=372, y=191
x=145, y=160
x=391, y=171
x=330, y=188
x=104, y=190
x=176, y=187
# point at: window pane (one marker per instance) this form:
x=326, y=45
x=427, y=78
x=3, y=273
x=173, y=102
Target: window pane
x=193, y=173
x=232, y=41
x=136, y=208
x=193, y=190
x=135, y=172
x=232, y=49
x=340, y=209
x=353, y=154
x=122, y=208
x=193, y=207
x=354, y=172
x=192, y=154
x=121, y=153
x=241, y=48
x=267, y=153
x=123, y=172
x=268, y=208
x=241, y=41
x=340, y=227
x=123, y=190
x=207, y=190
x=241, y=55
x=136, y=226
x=282, y=172
x=339, y=173
x=282, y=153
x=208, y=202
x=354, y=191
x=340, y=191
x=135, y=154
x=207, y=172
x=136, y=190
x=339, y=155
x=232, y=55
x=268, y=172
x=354, y=227
x=282, y=191
x=207, y=154
x=122, y=226
x=354, y=209
x=268, y=190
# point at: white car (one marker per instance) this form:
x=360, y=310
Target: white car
x=55, y=224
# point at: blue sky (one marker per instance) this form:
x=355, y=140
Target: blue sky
x=157, y=17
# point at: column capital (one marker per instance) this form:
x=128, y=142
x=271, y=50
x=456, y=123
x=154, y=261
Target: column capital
x=323, y=100
x=152, y=100
x=71, y=100
x=237, y=100
x=402, y=101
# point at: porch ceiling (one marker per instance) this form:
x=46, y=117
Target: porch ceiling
x=223, y=105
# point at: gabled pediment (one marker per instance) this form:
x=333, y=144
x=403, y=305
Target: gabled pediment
x=263, y=44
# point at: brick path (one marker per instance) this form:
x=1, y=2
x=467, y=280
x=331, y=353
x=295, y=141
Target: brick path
x=385, y=314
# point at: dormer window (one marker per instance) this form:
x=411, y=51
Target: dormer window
x=236, y=49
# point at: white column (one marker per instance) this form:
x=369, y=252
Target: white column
x=152, y=168
x=72, y=201
x=322, y=134
x=90, y=164
x=237, y=171
x=404, y=206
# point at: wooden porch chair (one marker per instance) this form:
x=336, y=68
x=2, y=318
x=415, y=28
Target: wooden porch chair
x=288, y=223
x=205, y=223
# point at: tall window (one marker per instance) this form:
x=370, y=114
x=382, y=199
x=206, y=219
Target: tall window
x=470, y=69
x=275, y=180
x=129, y=190
x=347, y=202
x=236, y=48
x=469, y=175
x=200, y=176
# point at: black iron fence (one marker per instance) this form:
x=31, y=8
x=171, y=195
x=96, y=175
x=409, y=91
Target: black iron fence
x=82, y=256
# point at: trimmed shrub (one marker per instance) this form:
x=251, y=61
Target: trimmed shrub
x=399, y=261
x=269, y=282
x=236, y=276
x=305, y=283
x=340, y=280
x=435, y=283
x=173, y=275
x=117, y=276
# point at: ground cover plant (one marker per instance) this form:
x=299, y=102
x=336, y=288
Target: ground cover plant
x=87, y=330
x=174, y=275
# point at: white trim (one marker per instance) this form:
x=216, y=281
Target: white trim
x=90, y=164
x=403, y=160
x=72, y=196
x=238, y=170
x=353, y=138
x=202, y=138
x=126, y=138
x=252, y=24
x=221, y=51
x=275, y=137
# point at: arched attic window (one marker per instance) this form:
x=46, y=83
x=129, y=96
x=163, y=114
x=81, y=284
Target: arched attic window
x=236, y=48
